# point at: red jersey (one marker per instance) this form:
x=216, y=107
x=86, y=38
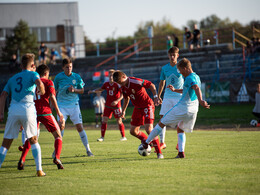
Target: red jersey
x=42, y=103
x=113, y=93
x=137, y=93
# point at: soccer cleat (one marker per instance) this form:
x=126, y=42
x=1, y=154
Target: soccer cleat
x=123, y=139
x=162, y=145
x=90, y=154
x=145, y=145
x=40, y=174
x=20, y=148
x=180, y=155
x=20, y=165
x=160, y=156
x=58, y=163
x=101, y=139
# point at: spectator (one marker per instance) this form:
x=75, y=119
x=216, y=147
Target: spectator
x=13, y=64
x=169, y=42
x=188, y=37
x=196, y=37
x=71, y=51
x=54, y=54
x=256, y=110
x=99, y=103
x=176, y=40
x=43, y=51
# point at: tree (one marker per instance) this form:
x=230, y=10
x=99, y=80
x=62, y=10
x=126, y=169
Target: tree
x=20, y=42
x=89, y=46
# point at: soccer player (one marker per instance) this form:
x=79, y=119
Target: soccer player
x=22, y=110
x=171, y=76
x=256, y=110
x=44, y=115
x=143, y=114
x=68, y=85
x=112, y=106
x=184, y=113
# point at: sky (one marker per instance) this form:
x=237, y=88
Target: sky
x=114, y=18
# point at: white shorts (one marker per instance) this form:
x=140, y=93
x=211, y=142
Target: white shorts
x=167, y=104
x=74, y=114
x=14, y=123
x=177, y=116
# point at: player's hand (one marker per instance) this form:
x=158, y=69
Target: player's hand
x=123, y=115
x=160, y=100
x=156, y=101
x=114, y=103
x=204, y=104
x=61, y=117
x=171, y=88
x=71, y=89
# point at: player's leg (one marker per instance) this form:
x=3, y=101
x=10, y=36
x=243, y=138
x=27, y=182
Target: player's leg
x=103, y=128
x=96, y=119
x=6, y=144
x=181, y=142
x=135, y=131
x=117, y=114
x=84, y=138
x=162, y=136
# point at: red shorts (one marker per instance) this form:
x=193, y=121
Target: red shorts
x=117, y=112
x=49, y=122
x=142, y=116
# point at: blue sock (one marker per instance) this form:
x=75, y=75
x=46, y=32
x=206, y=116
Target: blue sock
x=156, y=131
x=3, y=152
x=181, y=141
x=36, y=152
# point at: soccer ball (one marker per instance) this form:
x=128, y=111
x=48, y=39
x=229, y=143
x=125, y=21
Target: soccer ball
x=253, y=123
x=144, y=152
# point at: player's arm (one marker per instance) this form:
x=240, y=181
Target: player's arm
x=155, y=96
x=161, y=86
x=74, y=90
x=125, y=104
x=174, y=90
x=40, y=87
x=114, y=103
x=55, y=106
x=199, y=96
x=3, y=97
x=95, y=90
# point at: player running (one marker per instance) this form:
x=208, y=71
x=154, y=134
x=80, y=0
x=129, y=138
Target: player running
x=112, y=106
x=22, y=110
x=143, y=114
x=44, y=116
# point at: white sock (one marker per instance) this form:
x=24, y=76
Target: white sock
x=37, y=155
x=156, y=131
x=23, y=137
x=181, y=141
x=84, y=139
x=162, y=135
x=3, y=152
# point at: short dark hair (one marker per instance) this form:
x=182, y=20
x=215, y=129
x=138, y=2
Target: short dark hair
x=118, y=75
x=42, y=69
x=27, y=59
x=173, y=50
x=66, y=61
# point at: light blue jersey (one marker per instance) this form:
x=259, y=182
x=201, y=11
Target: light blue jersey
x=22, y=86
x=172, y=77
x=62, y=82
x=189, y=98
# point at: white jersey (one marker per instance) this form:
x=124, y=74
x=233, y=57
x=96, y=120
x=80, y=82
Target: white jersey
x=99, y=103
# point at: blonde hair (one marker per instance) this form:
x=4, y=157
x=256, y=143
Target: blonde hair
x=111, y=71
x=184, y=63
x=27, y=59
x=118, y=75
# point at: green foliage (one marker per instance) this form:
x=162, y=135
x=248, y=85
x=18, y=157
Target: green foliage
x=21, y=42
x=89, y=47
x=217, y=162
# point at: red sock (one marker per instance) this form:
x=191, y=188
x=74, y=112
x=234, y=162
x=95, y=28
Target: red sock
x=156, y=145
x=103, y=129
x=142, y=136
x=58, y=147
x=26, y=148
x=122, y=129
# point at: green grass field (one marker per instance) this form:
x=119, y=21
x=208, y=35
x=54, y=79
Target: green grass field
x=217, y=162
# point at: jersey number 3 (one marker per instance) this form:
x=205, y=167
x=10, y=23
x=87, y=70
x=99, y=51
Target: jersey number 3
x=19, y=80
